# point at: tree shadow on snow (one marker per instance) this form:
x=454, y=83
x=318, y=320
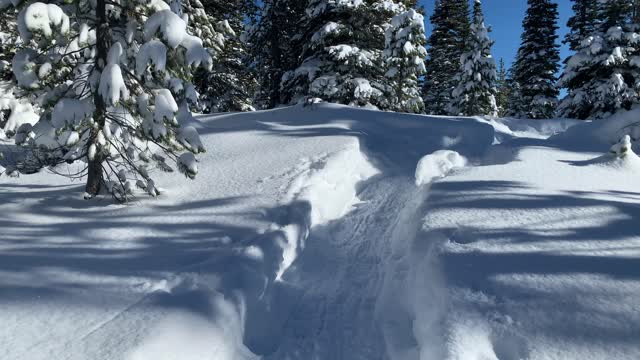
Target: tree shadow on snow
x=600, y=217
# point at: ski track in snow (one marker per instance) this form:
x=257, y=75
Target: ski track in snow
x=337, y=316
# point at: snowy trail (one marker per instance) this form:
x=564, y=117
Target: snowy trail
x=341, y=274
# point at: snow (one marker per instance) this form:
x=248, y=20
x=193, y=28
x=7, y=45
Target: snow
x=112, y=87
x=171, y=27
x=153, y=51
x=173, y=30
x=196, y=54
x=188, y=165
x=304, y=236
x=438, y=165
x=42, y=19
x=20, y=111
x=165, y=106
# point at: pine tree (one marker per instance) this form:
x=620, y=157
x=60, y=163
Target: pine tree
x=450, y=22
x=583, y=23
x=502, y=97
x=231, y=84
x=515, y=103
x=537, y=62
x=8, y=37
x=603, y=76
x=475, y=93
x=114, y=89
x=275, y=47
x=341, y=62
x=404, y=56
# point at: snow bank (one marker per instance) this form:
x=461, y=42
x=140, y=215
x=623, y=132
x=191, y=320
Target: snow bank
x=184, y=335
x=438, y=165
x=599, y=134
x=527, y=128
x=330, y=183
x=326, y=188
x=539, y=254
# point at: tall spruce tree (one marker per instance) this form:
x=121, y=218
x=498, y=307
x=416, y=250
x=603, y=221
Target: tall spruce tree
x=231, y=83
x=603, y=76
x=275, y=45
x=450, y=21
x=112, y=79
x=583, y=23
x=537, y=62
x=503, y=88
x=404, y=56
x=475, y=93
x=342, y=54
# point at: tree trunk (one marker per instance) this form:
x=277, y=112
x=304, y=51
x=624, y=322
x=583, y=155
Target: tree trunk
x=95, y=175
x=94, y=178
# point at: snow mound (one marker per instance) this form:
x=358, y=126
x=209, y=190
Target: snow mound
x=330, y=184
x=438, y=165
x=324, y=190
x=187, y=336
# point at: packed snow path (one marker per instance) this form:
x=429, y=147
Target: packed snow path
x=340, y=276
x=305, y=237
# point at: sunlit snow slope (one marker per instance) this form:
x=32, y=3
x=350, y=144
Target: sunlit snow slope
x=312, y=233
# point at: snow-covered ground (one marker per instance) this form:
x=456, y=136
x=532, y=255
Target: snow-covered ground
x=312, y=233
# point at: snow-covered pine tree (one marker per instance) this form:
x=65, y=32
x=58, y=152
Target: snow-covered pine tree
x=231, y=84
x=404, y=55
x=113, y=79
x=537, y=62
x=475, y=93
x=342, y=56
x=604, y=76
x=450, y=21
x=502, y=97
x=583, y=23
x=275, y=47
x=8, y=38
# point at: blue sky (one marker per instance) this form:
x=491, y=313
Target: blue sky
x=505, y=18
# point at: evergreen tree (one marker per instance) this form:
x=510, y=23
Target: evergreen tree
x=404, y=55
x=114, y=83
x=537, y=62
x=502, y=96
x=230, y=85
x=275, y=47
x=475, y=93
x=8, y=40
x=603, y=76
x=342, y=55
x=450, y=21
x=583, y=23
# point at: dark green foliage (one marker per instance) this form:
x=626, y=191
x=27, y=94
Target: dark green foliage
x=275, y=47
x=583, y=22
x=446, y=44
x=537, y=63
x=231, y=83
x=502, y=95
